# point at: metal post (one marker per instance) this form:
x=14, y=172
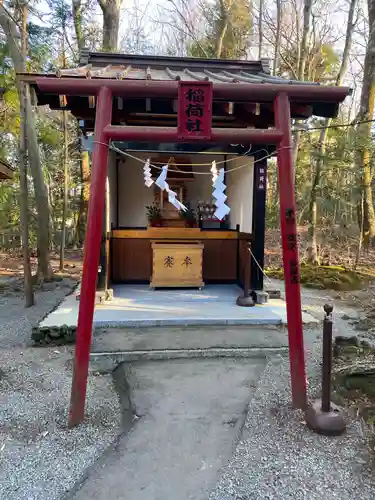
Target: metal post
x=290, y=251
x=323, y=416
x=327, y=359
x=246, y=300
x=91, y=258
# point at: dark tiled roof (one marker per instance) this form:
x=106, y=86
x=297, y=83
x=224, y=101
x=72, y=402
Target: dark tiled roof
x=121, y=66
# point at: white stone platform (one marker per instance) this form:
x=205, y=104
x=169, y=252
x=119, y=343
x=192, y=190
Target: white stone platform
x=137, y=306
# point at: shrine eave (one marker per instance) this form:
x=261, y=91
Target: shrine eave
x=6, y=170
x=251, y=92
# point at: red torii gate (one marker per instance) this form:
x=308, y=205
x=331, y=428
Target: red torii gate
x=280, y=95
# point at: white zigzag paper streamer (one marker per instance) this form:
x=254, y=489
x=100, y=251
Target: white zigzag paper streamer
x=214, y=171
x=163, y=185
x=147, y=174
x=219, y=187
x=160, y=181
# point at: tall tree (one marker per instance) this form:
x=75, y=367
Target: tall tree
x=65, y=202
x=24, y=206
x=278, y=36
x=225, y=7
x=366, y=113
x=77, y=9
x=12, y=33
x=228, y=29
x=302, y=59
x=313, y=246
x=305, y=38
x=111, y=23
x=260, y=29
x=81, y=31
x=111, y=20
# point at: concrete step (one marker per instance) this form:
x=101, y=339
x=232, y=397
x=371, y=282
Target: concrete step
x=180, y=338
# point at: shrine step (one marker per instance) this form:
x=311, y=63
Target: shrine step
x=177, y=337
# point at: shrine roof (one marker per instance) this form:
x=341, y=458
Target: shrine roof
x=151, y=84
x=138, y=67
x=6, y=170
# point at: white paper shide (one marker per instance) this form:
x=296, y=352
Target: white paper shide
x=164, y=186
x=147, y=174
x=220, y=197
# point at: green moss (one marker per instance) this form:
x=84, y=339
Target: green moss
x=326, y=277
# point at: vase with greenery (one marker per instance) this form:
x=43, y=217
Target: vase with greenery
x=189, y=216
x=154, y=215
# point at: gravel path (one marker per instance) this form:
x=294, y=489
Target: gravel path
x=278, y=458
x=39, y=458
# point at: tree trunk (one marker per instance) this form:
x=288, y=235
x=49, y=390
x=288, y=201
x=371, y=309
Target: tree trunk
x=77, y=20
x=65, y=206
x=313, y=251
x=24, y=209
x=278, y=35
x=305, y=38
x=24, y=194
x=224, y=14
x=41, y=195
x=84, y=160
x=360, y=240
x=303, y=53
x=366, y=113
x=260, y=29
x=11, y=31
x=313, y=246
x=85, y=195
x=111, y=23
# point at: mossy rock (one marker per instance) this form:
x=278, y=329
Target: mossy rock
x=43, y=336
x=364, y=383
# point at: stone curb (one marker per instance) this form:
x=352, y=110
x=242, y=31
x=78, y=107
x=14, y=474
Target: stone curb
x=108, y=361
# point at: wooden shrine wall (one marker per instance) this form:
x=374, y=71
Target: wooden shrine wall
x=131, y=257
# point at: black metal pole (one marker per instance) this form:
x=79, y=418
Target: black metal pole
x=322, y=416
x=327, y=359
x=246, y=288
x=246, y=299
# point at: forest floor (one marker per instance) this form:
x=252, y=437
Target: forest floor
x=11, y=264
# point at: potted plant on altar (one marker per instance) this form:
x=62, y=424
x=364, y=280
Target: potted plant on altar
x=189, y=216
x=154, y=215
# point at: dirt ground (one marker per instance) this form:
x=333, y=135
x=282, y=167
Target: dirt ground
x=336, y=246
x=11, y=264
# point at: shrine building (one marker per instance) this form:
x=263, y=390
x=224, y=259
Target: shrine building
x=179, y=178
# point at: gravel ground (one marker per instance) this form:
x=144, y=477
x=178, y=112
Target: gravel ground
x=40, y=458
x=16, y=321
x=278, y=458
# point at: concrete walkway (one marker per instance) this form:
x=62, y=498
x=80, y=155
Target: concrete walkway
x=138, y=306
x=191, y=415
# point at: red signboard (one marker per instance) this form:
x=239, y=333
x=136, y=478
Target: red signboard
x=194, y=110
